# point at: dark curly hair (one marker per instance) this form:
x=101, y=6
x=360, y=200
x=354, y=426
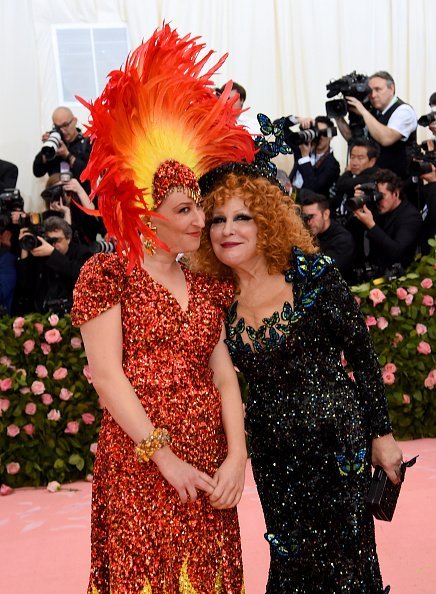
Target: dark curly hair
x=279, y=225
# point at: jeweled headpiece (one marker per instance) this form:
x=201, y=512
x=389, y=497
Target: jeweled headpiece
x=158, y=126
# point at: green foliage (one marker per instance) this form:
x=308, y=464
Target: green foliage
x=48, y=426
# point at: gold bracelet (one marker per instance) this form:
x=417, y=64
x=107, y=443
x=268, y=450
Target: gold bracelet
x=157, y=439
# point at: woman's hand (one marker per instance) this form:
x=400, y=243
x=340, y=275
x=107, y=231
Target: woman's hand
x=230, y=478
x=183, y=476
x=387, y=454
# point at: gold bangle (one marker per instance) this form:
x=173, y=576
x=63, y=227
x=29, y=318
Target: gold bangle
x=157, y=439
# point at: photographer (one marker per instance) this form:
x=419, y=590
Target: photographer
x=361, y=169
x=427, y=177
x=48, y=268
x=8, y=175
x=64, y=143
x=393, y=230
x=334, y=240
x=315, y=167
x=389, y=121
x=429, y=119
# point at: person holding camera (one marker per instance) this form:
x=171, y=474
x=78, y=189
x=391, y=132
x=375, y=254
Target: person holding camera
x=315, y=167
x=389, y=121
x=361, y=169
x=393, y=230
x=64, y=144
x=48, y=267
x=427, y=178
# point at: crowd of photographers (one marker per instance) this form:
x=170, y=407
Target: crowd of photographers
x=372, y=219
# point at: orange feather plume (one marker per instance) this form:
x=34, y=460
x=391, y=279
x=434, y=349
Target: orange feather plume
x=159, y=107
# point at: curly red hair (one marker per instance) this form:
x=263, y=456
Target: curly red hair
x=279, y=226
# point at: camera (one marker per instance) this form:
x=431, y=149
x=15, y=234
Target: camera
x=33, y=224
x=53, y=194
x=309, y=135
x=427, y=119
x=51, y=145
x=101, y=247
x=369, y=198
x=350, y=85
x=423, y=159
x=10, y=201
x=60, y=307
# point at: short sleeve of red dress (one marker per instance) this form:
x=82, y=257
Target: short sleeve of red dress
x=98, y=288
x=222, y=293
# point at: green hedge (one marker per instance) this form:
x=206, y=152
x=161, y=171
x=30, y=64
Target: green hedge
x=50, y=414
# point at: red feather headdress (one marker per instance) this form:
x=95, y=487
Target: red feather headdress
x=158, y=125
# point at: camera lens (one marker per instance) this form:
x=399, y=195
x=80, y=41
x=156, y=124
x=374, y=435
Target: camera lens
x=29, y=242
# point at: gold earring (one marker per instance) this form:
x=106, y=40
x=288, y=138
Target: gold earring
x=149, y=245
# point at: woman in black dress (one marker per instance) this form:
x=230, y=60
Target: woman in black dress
x=314, y=428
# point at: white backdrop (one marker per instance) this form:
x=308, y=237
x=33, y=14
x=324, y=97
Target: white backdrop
x=282, y=51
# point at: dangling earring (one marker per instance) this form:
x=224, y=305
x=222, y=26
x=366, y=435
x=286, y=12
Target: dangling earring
x=149, y=245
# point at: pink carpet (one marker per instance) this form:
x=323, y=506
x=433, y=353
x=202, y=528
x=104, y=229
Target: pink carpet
x=44, y=537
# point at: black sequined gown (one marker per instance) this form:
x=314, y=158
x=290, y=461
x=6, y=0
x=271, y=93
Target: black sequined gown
x=310, y=427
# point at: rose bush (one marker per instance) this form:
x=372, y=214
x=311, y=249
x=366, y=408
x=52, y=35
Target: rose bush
x=49, y=412
x=400, y=317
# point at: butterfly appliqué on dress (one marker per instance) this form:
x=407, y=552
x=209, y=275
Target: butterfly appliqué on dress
x=354, y=465
x=284, y=546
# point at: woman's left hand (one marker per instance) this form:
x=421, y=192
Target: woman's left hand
x=230, y=476
x=387, y=454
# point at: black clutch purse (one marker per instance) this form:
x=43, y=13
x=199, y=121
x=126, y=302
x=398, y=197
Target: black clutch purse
x=383, y=494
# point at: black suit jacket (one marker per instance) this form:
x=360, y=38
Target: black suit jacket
x=320, y=177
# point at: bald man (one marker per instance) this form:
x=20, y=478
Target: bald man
x=73, y=148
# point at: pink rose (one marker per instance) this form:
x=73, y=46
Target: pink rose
x=30, y=408
x=397, y=339
x=423, y=348
x=18, y=332
x=4, y=405
x=376, y=296
x=13, y=430
x=5, y=490
x=401, y=293
x=5, y=384
x=72, y=427
x=426, y=283
x=406, y=399
x=47, y=399
x=76, y=342
x=45, y=348
x=65, y=394
x=370, y=321
x=53, y=336
x=24, y=390
x=87, y=374
x=41, y=371
x=358, y=300
x=53, y=486
x=39, y=327
x=28, y=346
x=29, y=429
x=53, y=320
x=412, y=290
x=409, y=299
x=13, y=468
x=388, y=378
x=18, y=323
x=421, y=329
x=88, y=418
x=427, y=300
x=430, y=380
x=5, y=361
x=53, y=415
x=395, y=311
x=93, y=448
x=382, y=323
x=60, y=373
x=390, y=368
x=37, y=387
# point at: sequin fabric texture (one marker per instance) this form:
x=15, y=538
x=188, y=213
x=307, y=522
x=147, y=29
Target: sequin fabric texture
x=310, y=428
x=144, y=540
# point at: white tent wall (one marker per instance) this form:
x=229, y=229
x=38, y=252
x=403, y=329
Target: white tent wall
x=282, y=51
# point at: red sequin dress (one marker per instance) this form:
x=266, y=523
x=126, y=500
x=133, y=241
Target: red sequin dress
x=144, y=540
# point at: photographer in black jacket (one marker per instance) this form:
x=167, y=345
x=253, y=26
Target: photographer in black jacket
x=393, y=231
x=48, y=268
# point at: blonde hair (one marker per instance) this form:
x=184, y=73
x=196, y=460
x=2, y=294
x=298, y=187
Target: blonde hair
x=279, y=226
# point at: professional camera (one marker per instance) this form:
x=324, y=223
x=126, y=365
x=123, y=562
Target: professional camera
x=350, y=85
x=53, y=194
x=52, y=144
x=101, y=246
x=422, y=159
x=33, y=224
x=427, y=119
x=310, y=135
x=370, y=197
x=10, y=201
